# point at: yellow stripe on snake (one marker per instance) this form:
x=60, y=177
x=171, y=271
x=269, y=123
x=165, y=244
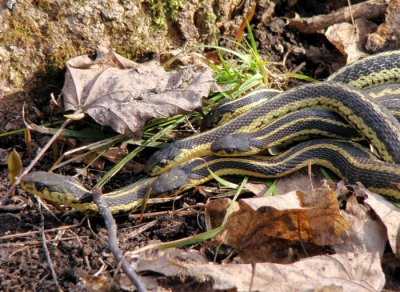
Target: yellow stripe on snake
x=331, y=109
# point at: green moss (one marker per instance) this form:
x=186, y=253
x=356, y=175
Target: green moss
x=162, y=10
x=133, y=51
x=23, y=30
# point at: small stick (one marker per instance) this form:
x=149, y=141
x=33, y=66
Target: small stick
x=31, y=233
x=112, y=240
x=13, y=208
x=46, y=251
x=34, y=161
x=368, y=10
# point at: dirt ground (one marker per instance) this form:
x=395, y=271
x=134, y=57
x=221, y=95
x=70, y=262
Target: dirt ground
x=76, y=243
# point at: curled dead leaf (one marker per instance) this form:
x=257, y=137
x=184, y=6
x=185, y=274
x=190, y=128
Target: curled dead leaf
x=122, y=94
x=295, y=216
x=350, y=39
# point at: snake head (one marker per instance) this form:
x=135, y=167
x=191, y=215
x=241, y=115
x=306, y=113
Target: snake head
x=174, y=179
x=54, y=187
x=232, y=145
x=182, y=176
x=162, y=160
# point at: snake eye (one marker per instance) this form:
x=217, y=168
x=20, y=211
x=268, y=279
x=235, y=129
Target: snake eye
x=229, y=151
x=86, y=198
x=40, y=186
x=163, y=163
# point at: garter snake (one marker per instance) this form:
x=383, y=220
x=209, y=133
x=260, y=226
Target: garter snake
x=369, y=117
x=304, y=123
x=293, y=127
x=388, y=95
x=65, y=190
x=347, y=159
x=372, y=120
x=228, y=109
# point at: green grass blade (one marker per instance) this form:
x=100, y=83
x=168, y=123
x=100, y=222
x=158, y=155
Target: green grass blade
x=135, y=152
x=325, y=173
x=193, y=239
x=22, y=131
x=302, y=77
x=245, y=59
x=271, y=191
x=223, y=182
x=211, y=233
x=235, y=197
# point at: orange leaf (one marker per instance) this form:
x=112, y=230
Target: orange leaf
x=248, y=18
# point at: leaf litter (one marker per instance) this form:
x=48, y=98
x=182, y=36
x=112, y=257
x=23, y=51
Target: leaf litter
x=347, y=272
x=123, y=94
x=261, y=228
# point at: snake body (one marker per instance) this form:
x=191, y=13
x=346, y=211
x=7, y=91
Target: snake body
x=388, y=95
x=370, y=72
x=65, y=190
x=339, y=103
x=229, y=109
x=293, y=127
x=372, y=120
x=347, y=159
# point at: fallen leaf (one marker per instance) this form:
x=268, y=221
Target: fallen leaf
x=295, y=216
x=14, y=165
x=122, y=94
x=365, y=233
x=259, y=189
x=389, y=214
x=346, y=272
x=349, y=39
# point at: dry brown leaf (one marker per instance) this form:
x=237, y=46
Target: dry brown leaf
x=346, y=272
x=169, y=262
x=349, y=39
x=365, y=234
x=349, y=272
x=389, y=214
x=300, y=180
x=295, y=216
x=123, y=94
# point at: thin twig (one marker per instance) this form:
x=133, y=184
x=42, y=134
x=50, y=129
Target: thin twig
x=35, y=242
x=46, y=251
x=14, y=208
x=369, y=10
x=351, y=13
x=34, y=161
x=142, y=229
x=112, y=240
x=30, y=233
